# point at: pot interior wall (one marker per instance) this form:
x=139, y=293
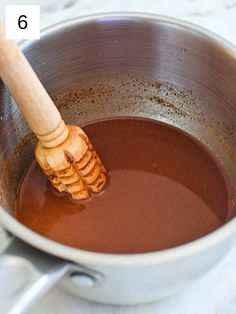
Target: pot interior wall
x=126, y=67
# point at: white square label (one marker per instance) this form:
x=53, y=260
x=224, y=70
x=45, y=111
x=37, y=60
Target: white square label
x=22, y=21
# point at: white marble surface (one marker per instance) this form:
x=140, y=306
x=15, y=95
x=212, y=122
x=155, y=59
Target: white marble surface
x=215, y=293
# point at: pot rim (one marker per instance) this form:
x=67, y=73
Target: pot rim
x=123, y=260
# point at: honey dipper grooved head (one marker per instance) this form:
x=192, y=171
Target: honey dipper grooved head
x=73, y=166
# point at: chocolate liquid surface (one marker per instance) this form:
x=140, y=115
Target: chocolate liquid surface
x=165, y=190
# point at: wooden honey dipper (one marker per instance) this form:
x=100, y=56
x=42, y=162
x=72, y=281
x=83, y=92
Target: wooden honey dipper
x=64, y=152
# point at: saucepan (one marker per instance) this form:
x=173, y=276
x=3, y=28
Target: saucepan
x=164, y=69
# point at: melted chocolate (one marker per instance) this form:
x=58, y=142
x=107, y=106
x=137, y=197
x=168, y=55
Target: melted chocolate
x=165, y=190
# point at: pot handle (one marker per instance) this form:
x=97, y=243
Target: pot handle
x=52, y=269
x=37, y=288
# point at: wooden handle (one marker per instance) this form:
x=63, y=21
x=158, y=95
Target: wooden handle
x=37, y=107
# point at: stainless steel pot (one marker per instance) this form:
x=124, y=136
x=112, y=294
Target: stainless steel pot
x=187, y=79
